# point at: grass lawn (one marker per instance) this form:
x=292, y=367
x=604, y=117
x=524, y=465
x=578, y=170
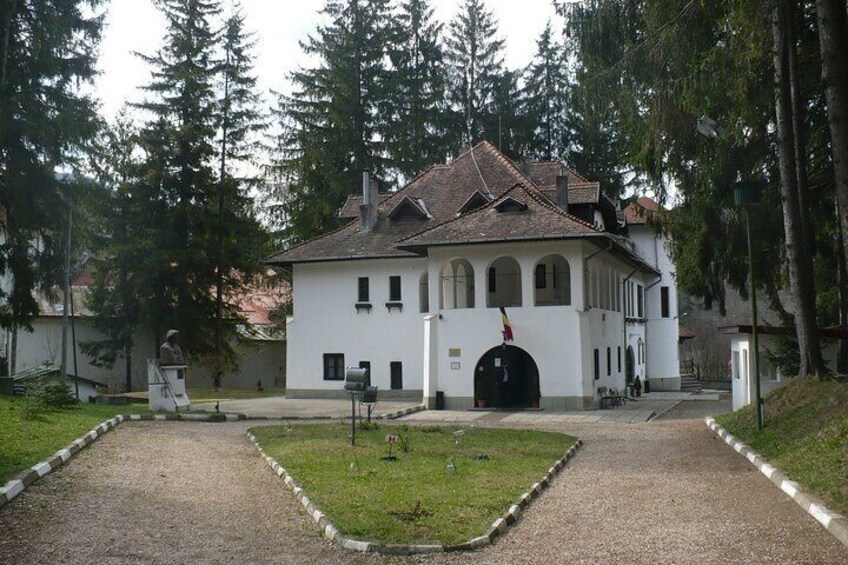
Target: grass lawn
x=415, y=499
x=24, y=443
x=805, y=436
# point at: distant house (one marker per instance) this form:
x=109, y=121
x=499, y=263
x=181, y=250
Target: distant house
x=412, y=286
x=771, y=376
x=261, y=345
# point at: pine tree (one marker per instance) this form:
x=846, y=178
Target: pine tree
x=184, y=103
x=46, y=50
x=545, y=97
x=474, y=54
x=332, y=126
x=415, y=133
x=240, y=241
x=124, y=242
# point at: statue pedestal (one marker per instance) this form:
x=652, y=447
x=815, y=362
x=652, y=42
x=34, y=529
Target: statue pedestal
x=166, y=388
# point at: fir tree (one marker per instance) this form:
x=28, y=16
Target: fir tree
x=184, y=102
x=415, y=134
x=46, y=50
x=333, y=126
x=240, y=241
x=545, y=100
x=474, y=53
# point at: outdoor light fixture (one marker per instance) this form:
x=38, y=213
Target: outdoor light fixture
x=709, y=128
x=745, y=194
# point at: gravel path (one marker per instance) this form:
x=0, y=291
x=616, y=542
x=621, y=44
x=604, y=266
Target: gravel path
x=663, y=492
x=162, y=492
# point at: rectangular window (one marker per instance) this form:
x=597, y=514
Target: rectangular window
x=363, y=290
x=493, y=280
x=664, y=301
x=619, y=358
x=333, y=367
x=367, y=366
x=541, y=276
x=640, y=301
x=394, y=289
x=424, y=294
x=597, y=365
x=618, y=292
x=396, y=372
x=609, y=361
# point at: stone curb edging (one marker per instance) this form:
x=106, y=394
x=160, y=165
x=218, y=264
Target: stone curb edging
x=27, y=477
x=497, y=528
x=832, y=521
x=400, y=413
x=386, y=416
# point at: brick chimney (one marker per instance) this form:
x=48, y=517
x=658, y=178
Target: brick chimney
x=368, y=208
x=562, y=192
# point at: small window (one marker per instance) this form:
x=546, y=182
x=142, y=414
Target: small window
x=493, y=280
x=541, y=276
x=363, y=290
x=619, y=358
x=597, y=365
x=424, y=293
x=367, y=366
x=396, y=372
x=394, y=289
x=664, y=301
x=609, y=361
x=640, y=301
x=333, y=367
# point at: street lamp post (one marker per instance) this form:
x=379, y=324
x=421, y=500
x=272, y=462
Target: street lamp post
x=745, y=194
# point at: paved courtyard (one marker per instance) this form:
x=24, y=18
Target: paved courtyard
x=664, y=491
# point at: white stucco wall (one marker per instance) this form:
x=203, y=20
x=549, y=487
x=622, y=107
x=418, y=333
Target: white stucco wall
x=661, y=333
x=742, y=366
x=263, y=360
x=325, y=320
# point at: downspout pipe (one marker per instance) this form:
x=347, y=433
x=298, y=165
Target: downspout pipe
x=624, y=319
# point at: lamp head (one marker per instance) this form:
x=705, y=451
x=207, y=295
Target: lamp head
x=709, y=128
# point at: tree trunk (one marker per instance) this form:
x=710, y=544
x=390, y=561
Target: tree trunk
x=833, y=38
x=799, y=262
x=842, y=272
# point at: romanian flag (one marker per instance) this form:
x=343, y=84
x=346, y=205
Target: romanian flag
x=507, y=330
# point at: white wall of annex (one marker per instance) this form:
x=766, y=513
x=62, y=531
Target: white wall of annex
x=661, y=334
x=325, y=320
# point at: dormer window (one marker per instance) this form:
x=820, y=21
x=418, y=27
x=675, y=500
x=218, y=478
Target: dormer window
x=510, y=204
x=476, y=200
x=410, y=209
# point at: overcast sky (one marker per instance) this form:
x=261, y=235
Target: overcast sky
x=136, y=26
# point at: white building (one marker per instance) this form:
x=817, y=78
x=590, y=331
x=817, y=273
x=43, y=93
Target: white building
x=742, y=359
x=411, y=288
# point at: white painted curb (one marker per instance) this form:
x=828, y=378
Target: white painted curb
x=832, y=521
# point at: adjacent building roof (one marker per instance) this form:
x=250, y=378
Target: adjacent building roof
x=459, y=203
x=641, y=211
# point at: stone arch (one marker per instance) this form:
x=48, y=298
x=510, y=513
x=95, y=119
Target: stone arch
x=552, y=281
x=503, y=282
x=457, y=285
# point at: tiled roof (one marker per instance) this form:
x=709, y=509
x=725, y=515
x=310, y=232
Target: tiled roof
x=544, y=173
x=350, y=210
x=641, y=210
x=540, y=220
x=442, y=190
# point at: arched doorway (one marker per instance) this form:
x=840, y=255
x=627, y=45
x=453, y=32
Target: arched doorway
x=521, y=390
x=629, y=365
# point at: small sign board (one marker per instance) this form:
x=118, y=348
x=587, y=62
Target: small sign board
x=454, y=352
x=391, y=439
x=455, y=365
